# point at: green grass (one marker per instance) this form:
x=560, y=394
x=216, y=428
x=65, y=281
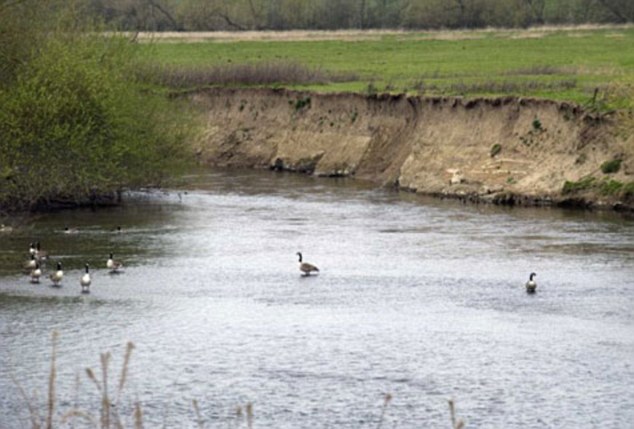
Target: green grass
x=564, y=64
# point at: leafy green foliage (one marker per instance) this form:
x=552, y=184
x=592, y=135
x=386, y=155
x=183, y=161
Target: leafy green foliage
x=495, y=149
x=583, y=184
x=610, y=187
x=611, y=166
x=75, y=124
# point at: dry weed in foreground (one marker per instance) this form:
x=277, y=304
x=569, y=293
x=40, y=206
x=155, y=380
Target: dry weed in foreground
x=109, y=416
x=455, y=423
x=387, y=398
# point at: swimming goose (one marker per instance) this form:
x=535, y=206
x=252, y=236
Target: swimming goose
x=113, y=265
x=531, y=285
x=36, y=273
x=85, y=281
x=305, y=267
x=57, y=276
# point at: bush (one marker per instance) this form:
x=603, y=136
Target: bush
x=581, y=185
x=495, y=149
x=611, y=187
x=76, y=124
x=612, y=166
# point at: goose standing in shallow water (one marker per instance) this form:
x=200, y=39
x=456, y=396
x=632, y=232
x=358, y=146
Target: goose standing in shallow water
x=85, y=281
x=57, y=276
x=113, y=265
x=531, y=285
x=305, y=267
x=30, y=264
x=41, y=255
x=36, y=273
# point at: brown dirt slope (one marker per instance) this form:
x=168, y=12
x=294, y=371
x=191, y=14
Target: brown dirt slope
x=504, y=150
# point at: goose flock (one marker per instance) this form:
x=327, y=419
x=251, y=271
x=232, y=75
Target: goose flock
x=37, y=261
x=38, y=257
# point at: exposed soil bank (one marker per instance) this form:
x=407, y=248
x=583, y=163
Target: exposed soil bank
x=503, y=150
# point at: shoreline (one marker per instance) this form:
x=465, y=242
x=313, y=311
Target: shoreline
x=507, y=151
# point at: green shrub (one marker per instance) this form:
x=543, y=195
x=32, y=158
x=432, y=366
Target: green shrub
x=610, y=187
x=300, y=103
x=75, y=124
x=628, y=190
x=537, y=124
x=612, y=166
x=581, y=185
x=495, y=149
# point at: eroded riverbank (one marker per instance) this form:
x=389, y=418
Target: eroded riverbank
x=506, y=151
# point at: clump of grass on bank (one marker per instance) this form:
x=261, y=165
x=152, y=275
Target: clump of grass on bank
x=605, y=187
x=263, y=73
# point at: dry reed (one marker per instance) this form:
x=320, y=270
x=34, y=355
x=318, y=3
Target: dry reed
x=109, y=416
x=51, y=383
x=455, y=422
x=387, y=398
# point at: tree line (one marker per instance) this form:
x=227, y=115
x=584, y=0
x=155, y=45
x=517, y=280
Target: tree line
x=240, y=15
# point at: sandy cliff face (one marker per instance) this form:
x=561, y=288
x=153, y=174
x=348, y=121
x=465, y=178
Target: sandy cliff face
x=510, y=150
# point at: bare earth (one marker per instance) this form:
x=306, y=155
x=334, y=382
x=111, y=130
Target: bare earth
x=436, y=146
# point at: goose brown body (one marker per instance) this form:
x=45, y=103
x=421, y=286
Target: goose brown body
x=531, y=284
x=113, y=265
x=57, y=276
x=305, y=267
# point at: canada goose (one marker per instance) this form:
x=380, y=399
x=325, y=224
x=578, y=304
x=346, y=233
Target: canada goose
x=85, y=281
x=57, y=276
x=36, y=273
x=531, y=285
x=32, y=249
x=305, y=267
x=68, y=230
x=30, y=264
x=113, y=265
x=41, y=255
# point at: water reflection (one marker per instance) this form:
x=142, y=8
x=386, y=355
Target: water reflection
x=421, y=298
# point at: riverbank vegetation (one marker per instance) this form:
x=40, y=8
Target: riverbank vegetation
x=76, y=124
x=592, y=66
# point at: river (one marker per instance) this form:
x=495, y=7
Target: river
x=419, y=298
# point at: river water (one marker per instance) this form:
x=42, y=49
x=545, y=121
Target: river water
x=421, y=299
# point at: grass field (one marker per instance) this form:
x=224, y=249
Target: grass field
x=556, y=63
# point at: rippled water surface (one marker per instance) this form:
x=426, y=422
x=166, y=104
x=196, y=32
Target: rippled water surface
x=418, y=298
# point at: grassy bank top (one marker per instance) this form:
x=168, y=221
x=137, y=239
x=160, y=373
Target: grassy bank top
x=561, y=63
